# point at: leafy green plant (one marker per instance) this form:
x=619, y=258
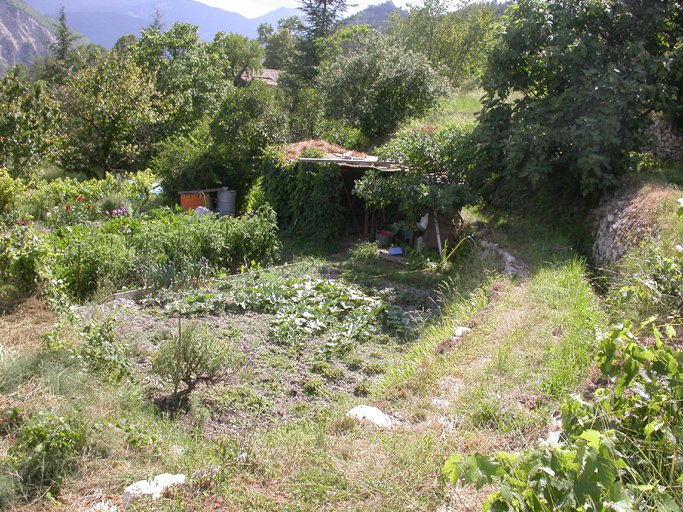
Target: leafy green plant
x=364, y=252
x=567, y=96
x=22, y=258
x=102, y=353
x=48, y=447
x=10, y=191
x=55, y=195
x=307, y=307
x=437, y=160
x=134, y=435
x=618, y=452
x=655, y=283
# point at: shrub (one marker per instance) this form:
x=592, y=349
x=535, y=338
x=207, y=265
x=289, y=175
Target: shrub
x=63, y=192
x=618, y=452
x=438, y=161
x=10, y=191
x=159, y=249
x=101, y=352
x=21, y=259
x=47, y=448
x=252, y=239
x=192, y=356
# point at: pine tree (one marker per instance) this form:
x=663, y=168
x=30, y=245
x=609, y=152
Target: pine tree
x=65, y=38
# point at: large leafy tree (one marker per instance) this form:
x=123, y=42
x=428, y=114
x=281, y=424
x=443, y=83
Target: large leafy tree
x=569, y=91
x=224, y=150
x=249, y=120
x=27, y=124
x=182, y=69
x=111, y=114
x=377, y=86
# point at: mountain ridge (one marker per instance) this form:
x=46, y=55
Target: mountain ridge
x=25, y=34
x=104, y=23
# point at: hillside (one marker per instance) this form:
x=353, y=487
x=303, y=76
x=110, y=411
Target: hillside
x=105, y=22
x=24, y=34
x=376, y=16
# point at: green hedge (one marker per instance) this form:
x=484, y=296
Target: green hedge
x=306, y=197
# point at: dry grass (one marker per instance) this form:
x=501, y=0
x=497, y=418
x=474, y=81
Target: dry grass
x=23, y=327
x=293, y=151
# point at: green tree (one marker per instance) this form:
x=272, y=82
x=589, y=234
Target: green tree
x=65, y=38
x=457, y=43
x=224, y=150
x=249, y=120
x=569, y=91
x=321, y=17
x=319, y=21
x=378, y=86
x=264, y=31
x=235, y=56
x=182, y=69
x=279, y=49
x=111, y=113
x=28, y=118
x=60, y=59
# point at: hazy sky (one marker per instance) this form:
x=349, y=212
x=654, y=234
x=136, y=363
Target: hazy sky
x=256, y=8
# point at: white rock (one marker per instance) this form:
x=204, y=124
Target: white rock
x=103, y=506
x=461, y=331
x=152, y=488
x=372, y=414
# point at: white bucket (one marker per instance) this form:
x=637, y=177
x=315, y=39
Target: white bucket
x=225, y=205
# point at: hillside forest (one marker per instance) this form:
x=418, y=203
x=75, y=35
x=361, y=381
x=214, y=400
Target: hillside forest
x=528, y=361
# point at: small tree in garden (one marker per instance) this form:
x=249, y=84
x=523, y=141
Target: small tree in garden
x=192, y=356
x=27, y=118
x=111, y=111
x=437, y=161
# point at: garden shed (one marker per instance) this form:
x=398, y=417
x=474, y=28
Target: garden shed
x=310, y=184
x=351, y=166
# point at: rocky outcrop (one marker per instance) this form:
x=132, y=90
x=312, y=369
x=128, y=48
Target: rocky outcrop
x=22, y=37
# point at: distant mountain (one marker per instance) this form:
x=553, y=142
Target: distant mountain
x=105, y=21
x=376, y=16
x=24, y=34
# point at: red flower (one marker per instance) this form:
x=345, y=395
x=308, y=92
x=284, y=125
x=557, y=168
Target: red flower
x=68, y=208
x=87, y=207
x=80, y=199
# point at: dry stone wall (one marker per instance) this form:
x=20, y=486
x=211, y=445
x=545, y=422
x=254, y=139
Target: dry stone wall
x=669, y=141
x=624, y=221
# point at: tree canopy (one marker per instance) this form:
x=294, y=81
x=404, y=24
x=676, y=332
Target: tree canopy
x=377, y=86
x=569, y=92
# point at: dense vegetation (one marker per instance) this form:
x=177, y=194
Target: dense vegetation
x=536, y=379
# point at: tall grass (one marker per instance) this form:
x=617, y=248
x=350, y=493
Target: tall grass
x=460, y=106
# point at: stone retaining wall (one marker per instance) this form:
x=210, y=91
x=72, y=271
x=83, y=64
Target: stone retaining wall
x=669, y=141
x=625, y=220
